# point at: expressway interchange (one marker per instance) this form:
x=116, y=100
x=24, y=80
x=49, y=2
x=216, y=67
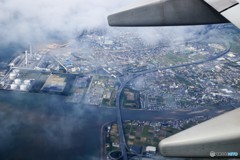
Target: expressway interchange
x=122, y=141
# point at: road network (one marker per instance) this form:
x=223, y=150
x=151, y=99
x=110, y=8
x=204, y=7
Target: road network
x=122, y=141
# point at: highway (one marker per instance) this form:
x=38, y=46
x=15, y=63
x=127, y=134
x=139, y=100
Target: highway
x=122, y=141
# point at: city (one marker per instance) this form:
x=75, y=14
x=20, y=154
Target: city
x=192, y=78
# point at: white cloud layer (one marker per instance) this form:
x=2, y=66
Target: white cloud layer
x=27, y=20
x=24, y=21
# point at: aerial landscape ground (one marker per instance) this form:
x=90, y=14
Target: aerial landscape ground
x=85, y=97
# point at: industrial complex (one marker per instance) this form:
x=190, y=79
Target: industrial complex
x=198, y=77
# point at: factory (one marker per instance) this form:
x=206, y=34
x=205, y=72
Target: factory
x=16, y=83
x=23, y=80
x=54, y=83
x=20, y=79
x=15, y=61
x=23, y=60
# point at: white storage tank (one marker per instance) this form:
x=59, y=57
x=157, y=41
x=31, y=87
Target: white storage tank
x=2, y=83
x=12, y=76
x=27, y=82
x=14, y=86
x=23, y=87
x=18, y=81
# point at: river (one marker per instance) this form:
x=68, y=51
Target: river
x=44, y=127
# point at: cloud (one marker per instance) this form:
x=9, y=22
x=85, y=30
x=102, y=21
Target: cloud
x=26, y=20
x=49, y=127
x=154, y=35
x=43, y=21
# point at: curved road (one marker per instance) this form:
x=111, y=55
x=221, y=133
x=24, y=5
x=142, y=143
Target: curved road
x=122, y=141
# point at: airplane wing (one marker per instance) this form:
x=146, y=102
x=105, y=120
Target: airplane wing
x=230, y=9
x=217, y=137
x=178, y=12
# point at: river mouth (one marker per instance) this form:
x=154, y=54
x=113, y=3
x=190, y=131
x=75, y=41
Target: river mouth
x=42, y=126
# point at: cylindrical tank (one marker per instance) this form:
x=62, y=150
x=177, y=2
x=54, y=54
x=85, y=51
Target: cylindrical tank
x=13, y=86
x=12, y=76
x=23, y=87
x=18, y=81
x=27, y=82
x=2, y=83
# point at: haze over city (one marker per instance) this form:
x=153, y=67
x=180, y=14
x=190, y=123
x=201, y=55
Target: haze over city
x=68, y=80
